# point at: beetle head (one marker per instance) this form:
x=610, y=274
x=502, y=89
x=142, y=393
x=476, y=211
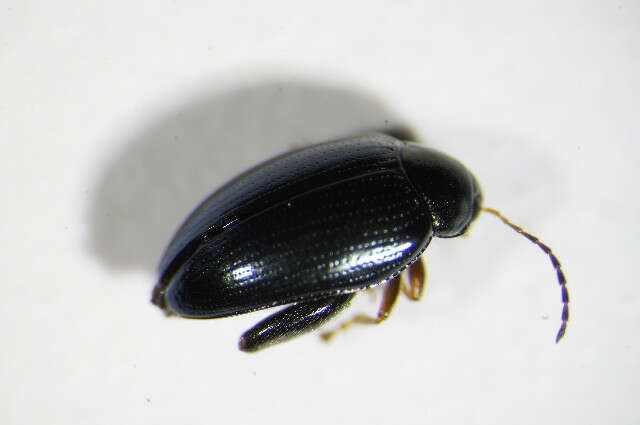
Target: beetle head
x=450, y=191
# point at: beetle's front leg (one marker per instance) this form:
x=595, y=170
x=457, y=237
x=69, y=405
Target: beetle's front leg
x=417, y=273
x=391, y=292
x=292, y=321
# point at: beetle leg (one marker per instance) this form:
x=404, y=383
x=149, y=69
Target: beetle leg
x=292, y=321
x=417, y=280
x=391, y=292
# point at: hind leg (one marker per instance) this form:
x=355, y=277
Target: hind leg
x=292, y=321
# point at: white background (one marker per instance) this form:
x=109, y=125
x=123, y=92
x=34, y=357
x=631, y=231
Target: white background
x=117, y=118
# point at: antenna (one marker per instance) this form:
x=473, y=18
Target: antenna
x=562, y=281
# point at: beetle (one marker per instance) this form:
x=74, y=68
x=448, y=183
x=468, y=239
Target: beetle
x=313, y=227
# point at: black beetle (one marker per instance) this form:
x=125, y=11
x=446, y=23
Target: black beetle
x=314, y=226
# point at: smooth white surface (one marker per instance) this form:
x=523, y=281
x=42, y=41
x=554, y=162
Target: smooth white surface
x=116, y=119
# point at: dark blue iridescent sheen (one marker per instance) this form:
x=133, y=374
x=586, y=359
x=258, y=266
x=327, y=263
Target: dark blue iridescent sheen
x=313, y=224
